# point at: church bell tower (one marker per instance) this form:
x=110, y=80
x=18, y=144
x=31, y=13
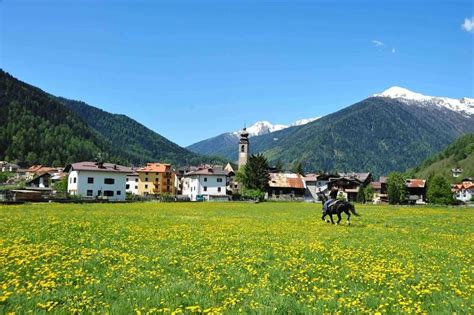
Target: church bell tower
x=243, y=148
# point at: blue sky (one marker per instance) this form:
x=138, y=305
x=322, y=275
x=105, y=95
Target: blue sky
x=194, y=69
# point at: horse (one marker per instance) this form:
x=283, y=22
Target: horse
x=337, y=209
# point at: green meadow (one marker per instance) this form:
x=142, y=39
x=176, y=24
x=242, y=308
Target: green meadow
x=149, y=258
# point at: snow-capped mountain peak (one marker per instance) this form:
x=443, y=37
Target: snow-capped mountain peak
x=264, y=127
x=464, y=105
x=304, y=121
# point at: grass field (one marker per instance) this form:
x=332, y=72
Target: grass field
x=216, y=257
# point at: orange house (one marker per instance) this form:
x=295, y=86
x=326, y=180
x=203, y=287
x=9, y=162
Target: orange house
x=156, y=179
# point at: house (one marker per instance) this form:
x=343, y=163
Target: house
x=464, y=191
x=156, y=179
x=131, y=182
x=312, y=189
x=40, y=181
x=316, y=183
x=348, y=187
x=97, y=180
x=416, y=189
x=285, y=186
x=8, y=167
x=349, y=184
x=457, y=171
x=207, y=183
x=35, y=170
x=363, y=178
x=380, y=190
x=31, y=171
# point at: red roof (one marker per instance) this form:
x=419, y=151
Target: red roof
x=463, y=186
x=416, y=183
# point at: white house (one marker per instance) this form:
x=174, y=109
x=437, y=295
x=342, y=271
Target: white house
x=210, y=183
x=317, y=184
x=97, y=180
x=464, y=191
x=131, y=183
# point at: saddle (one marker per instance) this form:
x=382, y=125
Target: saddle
x=332, y=204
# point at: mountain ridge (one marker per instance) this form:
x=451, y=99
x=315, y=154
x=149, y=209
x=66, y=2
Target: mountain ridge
x=40, y=128
x=379, y=134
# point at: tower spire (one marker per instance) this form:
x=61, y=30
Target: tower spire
x=244, y=147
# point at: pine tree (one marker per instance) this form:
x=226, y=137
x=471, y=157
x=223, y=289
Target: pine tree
x=254, y=175
x=298, y=168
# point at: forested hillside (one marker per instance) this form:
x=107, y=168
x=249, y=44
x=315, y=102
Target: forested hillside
x=459, y=154
x=378, y=134
x=134, y=139
x=36, y=128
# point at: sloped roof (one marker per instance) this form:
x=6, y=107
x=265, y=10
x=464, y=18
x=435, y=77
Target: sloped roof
x=464, y=185
x=310, y=178
x=376, y=185
x=286, y=180
x=155, y=167
x=415, y=183
x=362, y=177
x=93, y=166
x=209, y=171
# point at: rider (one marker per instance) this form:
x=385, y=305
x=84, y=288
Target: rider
x=332, y=197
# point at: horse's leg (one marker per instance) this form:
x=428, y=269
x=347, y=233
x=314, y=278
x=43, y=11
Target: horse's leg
x=339, y=218
x=348, y=217
x=332, y=220
x=324, y=216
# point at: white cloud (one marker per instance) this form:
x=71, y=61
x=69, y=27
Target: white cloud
x=378, y=43
x=468, y=25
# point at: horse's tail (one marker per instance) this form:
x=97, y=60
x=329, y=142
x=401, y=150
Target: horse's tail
x=353, y=210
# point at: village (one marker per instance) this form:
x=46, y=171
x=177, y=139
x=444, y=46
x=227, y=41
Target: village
x=101, y=181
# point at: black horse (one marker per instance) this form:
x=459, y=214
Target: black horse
x=337, y=208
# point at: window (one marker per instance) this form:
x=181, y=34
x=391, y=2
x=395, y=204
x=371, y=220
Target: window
x=90, y=193
x=219, y=180
x=146, y=179
x=219, y=189
x=75, y=180
x=119, y=192
x=168, y=188
x=205, y=179
x=168, y=181
x=99, y=193
x=126, y=179
x=136, y=180
x=108, y=193
x=136, y=187
x=127, y=186
x=242, y=148
x=90, y=180
x=109, y=181
x=205, y=188
x=146, y=186
x=146, y=173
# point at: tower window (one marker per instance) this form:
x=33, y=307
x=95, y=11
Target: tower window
x=242, y=148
